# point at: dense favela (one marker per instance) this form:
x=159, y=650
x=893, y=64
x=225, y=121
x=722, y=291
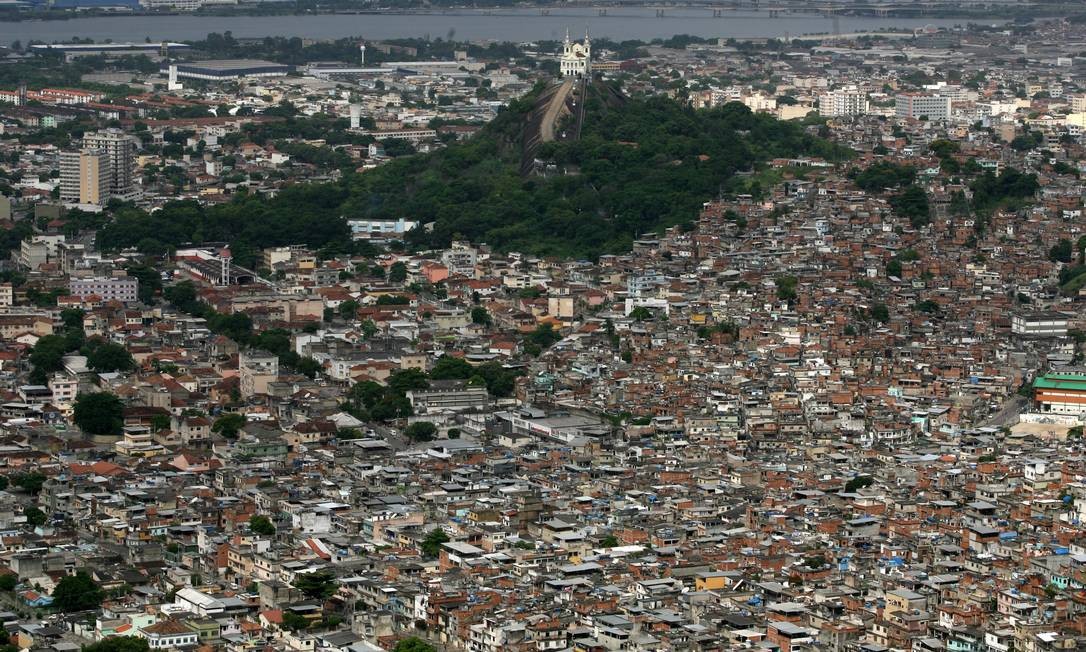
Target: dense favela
x=584, y=343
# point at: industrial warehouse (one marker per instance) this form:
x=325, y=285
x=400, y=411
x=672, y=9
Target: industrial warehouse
x=220, y=70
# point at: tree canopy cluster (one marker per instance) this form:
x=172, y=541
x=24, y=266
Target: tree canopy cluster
x=640, y=165
x=317, y=585
x=301, y=213
x=119, y=644
x=103, y=356
x=883, y=175
x=262, y=525
x=911, y=202
x=1009, y=187
x=413, y=644
x=99, y=413
x=499, y=381
x=77, y=592
x=369, y=400
x=431, y=545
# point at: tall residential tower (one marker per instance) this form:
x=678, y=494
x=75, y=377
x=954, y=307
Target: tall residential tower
x=85, y=177
x=120, y=149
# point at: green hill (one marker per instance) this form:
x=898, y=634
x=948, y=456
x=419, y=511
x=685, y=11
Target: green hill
x=639, y=165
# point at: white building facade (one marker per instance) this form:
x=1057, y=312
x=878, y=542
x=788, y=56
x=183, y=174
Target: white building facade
x=576, y=58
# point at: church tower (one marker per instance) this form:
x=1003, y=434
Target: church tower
x=576, y=58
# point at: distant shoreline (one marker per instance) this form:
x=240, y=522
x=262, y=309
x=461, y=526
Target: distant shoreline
x=517, y=24
x=285, y=8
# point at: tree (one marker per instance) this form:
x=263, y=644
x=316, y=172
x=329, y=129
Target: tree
x=77, y=593
x=397, y=273
x=31, y=483
x=859, y=482
x=348, y=309
x=927, y=305
x=160, y=422
x=391, y=406
x=474, y=187
x=413, y=644
x=884, y=174
x=1027, y=141
x=406, y=380
x=8, y=582
x=182, y=296
x=449, y=368
x=392, y=300
x=72, y=317
x=99, y=413
x=880, y=313
x=119, y=644
x=365, y=394
x=912, y=204
x=317, y=585
x=479, y=315
x=294, y=622
x=786, y=287
x=106, y=357
x=47, y=355
x=544, y=336
x=943, y=148
x=262, y=525
x=150, y=282
x=347, y=434
x=34, y=516
x=1009, y=187
x=1062, y=251
x=229, y=424
x=420, y=431
x=308, y=367
x=369, y=328
x=609, y=541
x=431, y=545
x=500, y=380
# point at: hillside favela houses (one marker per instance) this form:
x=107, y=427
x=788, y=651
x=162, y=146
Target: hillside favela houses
x=708, y=344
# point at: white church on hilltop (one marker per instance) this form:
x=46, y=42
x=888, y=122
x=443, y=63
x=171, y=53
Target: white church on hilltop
x=576, y=58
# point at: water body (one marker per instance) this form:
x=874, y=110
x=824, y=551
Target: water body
x=500, y=25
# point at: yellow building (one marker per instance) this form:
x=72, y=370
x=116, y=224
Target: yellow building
x=903, y=600
x=711, y=581
x=85, y=177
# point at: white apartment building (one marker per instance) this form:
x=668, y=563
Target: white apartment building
x=922, y=105
x=843, y=101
